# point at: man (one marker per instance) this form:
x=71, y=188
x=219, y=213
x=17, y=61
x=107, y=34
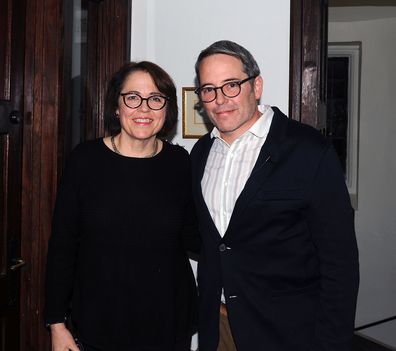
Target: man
x=279, y=265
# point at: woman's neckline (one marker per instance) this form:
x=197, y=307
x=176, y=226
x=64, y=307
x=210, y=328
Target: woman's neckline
x=158, y=150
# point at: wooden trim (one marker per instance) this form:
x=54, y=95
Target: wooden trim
x=107, y=20
x=43, y=52
x=308, y=55
x=295, y=59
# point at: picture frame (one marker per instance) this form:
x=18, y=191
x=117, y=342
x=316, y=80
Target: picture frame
x=195, y=122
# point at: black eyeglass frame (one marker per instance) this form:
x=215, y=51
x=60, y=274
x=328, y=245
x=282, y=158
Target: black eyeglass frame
x=239, y=82
x=147, y=99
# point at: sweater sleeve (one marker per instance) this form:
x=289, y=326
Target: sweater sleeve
x=63, y=245
x=191, y=237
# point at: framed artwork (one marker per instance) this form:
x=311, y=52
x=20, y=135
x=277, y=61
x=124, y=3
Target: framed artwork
x=195, y=122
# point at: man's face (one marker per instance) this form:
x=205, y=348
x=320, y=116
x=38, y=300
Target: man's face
x=232, y=116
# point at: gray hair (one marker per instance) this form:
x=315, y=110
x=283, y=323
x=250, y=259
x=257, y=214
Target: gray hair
x=227, y=47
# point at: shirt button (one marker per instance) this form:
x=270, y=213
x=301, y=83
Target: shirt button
x=222, y=247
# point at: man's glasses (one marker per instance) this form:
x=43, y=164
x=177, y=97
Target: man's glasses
x=154, y=102
x=230, y=89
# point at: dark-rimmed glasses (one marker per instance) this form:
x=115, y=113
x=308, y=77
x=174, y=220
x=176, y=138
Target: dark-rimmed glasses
x=230, y=90
x=154, y=102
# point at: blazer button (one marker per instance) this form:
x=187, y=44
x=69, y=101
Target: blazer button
x=222, y=247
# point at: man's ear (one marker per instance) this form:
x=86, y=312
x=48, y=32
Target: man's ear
x=258, y=87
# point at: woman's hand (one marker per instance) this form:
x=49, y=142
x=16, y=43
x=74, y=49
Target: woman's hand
x=61, y=338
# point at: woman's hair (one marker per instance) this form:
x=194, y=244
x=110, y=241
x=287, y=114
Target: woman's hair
x=161, y=79
x=226, y=47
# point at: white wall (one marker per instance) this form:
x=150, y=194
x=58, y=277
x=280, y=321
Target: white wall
x=376, y=214
x=173, y=32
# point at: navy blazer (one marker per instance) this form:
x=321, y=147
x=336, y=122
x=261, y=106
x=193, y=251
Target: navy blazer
x=288, y=261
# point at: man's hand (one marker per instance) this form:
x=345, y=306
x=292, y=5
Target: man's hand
x=61, y=338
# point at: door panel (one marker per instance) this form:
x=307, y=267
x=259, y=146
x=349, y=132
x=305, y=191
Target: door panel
x=11, y=85
x=107, y=20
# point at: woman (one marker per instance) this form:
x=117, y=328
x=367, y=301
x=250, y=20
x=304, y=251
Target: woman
x=122, y=223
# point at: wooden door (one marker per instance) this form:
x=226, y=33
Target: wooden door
x=11, y=122
x=47, y=132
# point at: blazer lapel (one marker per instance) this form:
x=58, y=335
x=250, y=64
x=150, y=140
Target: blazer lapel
x=266, y=161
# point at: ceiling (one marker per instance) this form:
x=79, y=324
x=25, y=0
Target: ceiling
x=361, y=10
x=337, y=3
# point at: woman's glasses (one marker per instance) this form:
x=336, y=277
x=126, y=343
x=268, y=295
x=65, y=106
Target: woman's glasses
x=154, y=102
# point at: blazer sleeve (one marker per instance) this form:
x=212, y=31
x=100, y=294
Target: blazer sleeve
x=331, y=222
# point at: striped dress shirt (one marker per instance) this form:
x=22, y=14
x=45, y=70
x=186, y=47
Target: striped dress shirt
x=229, y=166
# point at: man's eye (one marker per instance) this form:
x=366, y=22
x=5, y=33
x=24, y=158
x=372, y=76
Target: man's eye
x=207, y=90
x=232, y=85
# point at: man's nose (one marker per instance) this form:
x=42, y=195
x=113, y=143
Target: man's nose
x=220, y=97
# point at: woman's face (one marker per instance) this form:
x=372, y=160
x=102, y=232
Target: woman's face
x=140, y=123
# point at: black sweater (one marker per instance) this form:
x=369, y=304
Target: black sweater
x=117, y=254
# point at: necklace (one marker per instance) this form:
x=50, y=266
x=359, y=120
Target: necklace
x=118, y=151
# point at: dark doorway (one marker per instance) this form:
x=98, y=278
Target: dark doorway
x=337, y=105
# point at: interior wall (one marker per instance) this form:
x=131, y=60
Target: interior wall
x=173, y=32
x=375, y=217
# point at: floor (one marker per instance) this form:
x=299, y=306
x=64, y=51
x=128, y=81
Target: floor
x=377, y=338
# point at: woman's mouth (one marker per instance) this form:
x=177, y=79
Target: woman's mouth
x=142, y=120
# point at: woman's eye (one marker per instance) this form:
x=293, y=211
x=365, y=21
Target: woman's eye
x=132, y=97
x=156, y=98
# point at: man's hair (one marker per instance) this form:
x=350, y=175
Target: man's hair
x=227, y=47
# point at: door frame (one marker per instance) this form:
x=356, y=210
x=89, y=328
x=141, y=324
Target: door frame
x=308, y=57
